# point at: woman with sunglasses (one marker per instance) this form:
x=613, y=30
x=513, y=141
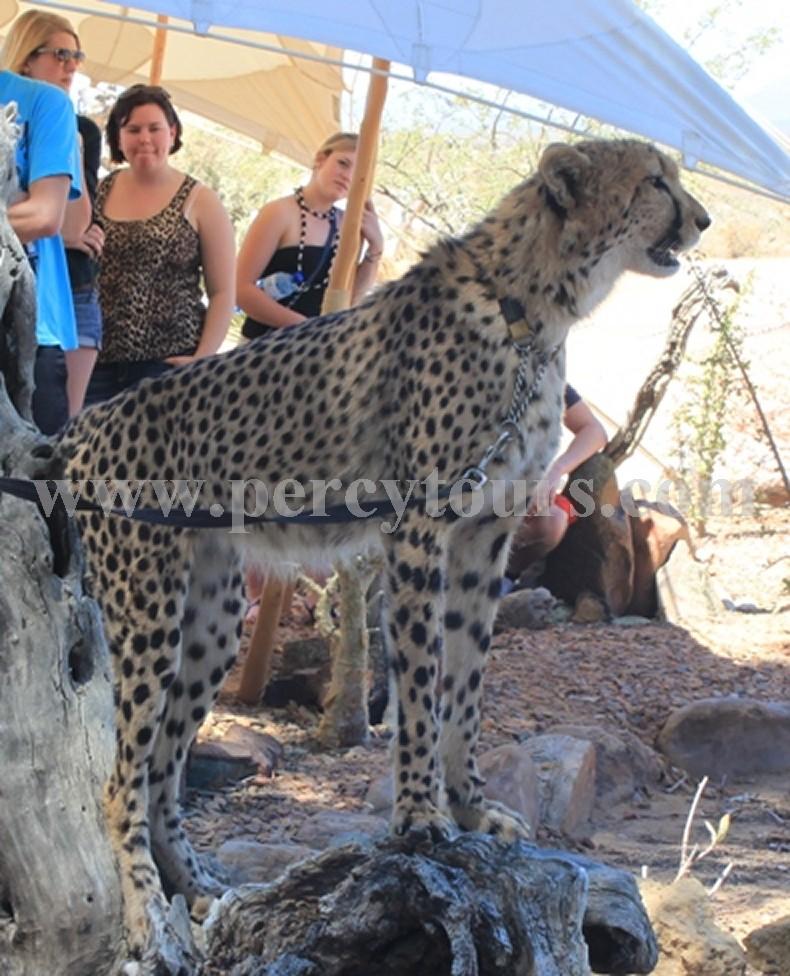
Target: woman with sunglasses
x=49, y=174
x=55, y=60
x=164, y=233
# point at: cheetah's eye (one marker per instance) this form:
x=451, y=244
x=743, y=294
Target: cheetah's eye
x=658, y=183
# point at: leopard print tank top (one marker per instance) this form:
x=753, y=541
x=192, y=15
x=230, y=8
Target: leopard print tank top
x=149, y=282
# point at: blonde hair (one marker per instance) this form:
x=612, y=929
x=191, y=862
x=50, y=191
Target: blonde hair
x=338, y=142
x=27, y=34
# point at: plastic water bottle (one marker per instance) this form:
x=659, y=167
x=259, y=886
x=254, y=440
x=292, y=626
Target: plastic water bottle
x=280, y=284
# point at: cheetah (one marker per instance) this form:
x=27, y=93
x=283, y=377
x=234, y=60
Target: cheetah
x=420, y=378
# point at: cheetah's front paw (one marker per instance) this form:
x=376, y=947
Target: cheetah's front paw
x=425, y=819
x=490, y=817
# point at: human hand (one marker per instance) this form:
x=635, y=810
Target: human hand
x=90, y=242
x=546, y=491
x=180, y=360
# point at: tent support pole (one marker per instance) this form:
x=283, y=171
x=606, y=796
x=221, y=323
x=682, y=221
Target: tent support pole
x=255, y=672
x=158, y=52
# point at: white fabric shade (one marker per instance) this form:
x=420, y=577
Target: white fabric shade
x=602, y=58
x=289, y=104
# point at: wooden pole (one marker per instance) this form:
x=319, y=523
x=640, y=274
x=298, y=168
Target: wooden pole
x=338, y=293
x=158, y=52
x=257, y=666
x=258, y=663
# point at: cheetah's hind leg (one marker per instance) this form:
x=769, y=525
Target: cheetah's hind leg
x=211, y=626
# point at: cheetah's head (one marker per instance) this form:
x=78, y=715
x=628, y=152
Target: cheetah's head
x=621, y=201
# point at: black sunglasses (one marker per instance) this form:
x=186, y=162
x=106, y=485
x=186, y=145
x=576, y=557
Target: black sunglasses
x=63, y=54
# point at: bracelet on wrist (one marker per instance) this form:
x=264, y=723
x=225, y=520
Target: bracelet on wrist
x=372, y=256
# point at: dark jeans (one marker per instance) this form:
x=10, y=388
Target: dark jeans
x=109, y=379
x=50, y=404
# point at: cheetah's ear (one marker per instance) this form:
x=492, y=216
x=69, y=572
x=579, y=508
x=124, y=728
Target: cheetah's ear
x=563, y=168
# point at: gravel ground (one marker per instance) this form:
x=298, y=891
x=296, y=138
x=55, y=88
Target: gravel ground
x=608, y=675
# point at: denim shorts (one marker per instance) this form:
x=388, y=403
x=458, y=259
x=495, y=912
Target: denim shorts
x=88, y=316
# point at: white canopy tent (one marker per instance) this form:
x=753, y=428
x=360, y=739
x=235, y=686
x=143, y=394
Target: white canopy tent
x=604, y=59
x=287, y=101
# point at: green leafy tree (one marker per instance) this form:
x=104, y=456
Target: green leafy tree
x=700, y=422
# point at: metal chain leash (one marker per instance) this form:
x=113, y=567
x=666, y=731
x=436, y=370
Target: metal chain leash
x=524, y=392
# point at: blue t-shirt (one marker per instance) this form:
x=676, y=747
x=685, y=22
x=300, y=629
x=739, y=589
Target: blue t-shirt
x=47, y=147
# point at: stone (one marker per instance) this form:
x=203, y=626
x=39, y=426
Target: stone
x=596, y=553
x=306, y=688
x=241, y=752
x=309, y=652
x=632, y=620
x=263, y=748
x=566, y=781
x=525, y=609
x=655, y=529
x=768, y=948
x=380, y=794
x=689, y=940
x=624, y=764
x=340, y=827
x=589, y=609
x=210, y=767
x=511, y=778
x=250, y=862
x=733, y=737
x=302, y=672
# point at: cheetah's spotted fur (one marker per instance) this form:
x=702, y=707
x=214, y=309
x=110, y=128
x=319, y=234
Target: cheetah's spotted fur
x=416, y=378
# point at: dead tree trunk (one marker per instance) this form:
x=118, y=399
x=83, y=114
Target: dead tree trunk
x=345, y=719
x=59, y=890
x=693, y=302
x=470, y=907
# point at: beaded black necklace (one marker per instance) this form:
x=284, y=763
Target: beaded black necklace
x=330, y=215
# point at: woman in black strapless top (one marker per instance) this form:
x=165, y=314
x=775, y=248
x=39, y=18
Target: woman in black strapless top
x=298, y=234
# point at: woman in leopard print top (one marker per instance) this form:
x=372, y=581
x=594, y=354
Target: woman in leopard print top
x=163, y=232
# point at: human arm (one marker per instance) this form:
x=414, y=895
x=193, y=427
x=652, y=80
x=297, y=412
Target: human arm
x=263, y=238
x=367, y=268
x=217, y=250
x=52, y=171
x=40, y=212
x=589, y=437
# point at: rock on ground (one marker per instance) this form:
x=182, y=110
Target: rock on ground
x=768, y=948
x=624, y=764
x=249, y=861
x=529, y=609
x=730, y=737
x=689, y=940
x=511, y=778
x=566, y=781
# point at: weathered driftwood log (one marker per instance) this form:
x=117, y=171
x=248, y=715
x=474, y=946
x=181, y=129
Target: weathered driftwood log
x=59, y=890
x=469, y=907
